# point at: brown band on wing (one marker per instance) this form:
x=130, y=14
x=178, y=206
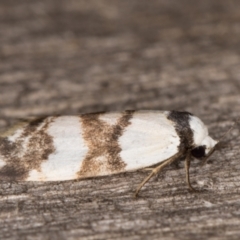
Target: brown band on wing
x=27, y=152
x=183, y=129
x=102, y=138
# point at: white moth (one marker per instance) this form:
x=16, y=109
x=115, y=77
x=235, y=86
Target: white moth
x=90, y=145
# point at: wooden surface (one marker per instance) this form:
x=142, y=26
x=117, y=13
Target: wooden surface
x=70, y=57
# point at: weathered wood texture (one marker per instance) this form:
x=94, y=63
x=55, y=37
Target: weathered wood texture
x=71, y=56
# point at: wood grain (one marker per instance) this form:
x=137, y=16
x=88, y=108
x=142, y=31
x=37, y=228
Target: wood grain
x=70, y=57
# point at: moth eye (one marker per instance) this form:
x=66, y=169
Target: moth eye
x=198, y=152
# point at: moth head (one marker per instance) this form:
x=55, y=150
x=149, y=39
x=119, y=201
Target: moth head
x=205, y=149
x=203, y=144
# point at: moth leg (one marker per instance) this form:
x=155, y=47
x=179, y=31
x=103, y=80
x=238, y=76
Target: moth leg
x=147, y=169
x=187, y=166
x=156, y=170
x=144, y=181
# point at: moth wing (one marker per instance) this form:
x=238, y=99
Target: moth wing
x=55, y=148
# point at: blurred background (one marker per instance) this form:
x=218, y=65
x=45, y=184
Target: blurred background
x=70, y=56
x=78, y=56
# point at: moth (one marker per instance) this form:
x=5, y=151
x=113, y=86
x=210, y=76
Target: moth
x=59, y=148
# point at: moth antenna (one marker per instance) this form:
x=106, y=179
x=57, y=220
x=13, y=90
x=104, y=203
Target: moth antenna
x=220, y=139
x=229, y=130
